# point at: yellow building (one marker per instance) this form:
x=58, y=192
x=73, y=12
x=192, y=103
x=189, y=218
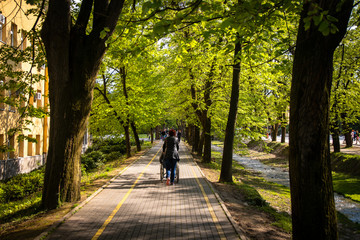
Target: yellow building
x=27, y=155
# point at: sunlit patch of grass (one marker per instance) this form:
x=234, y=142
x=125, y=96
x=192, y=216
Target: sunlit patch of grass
x=18, y=210
x=270, y=197
x=347, y=185
x=282, y=219
x=217, y=143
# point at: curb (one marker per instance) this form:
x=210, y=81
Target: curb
x=55, y=225
x=240, y=232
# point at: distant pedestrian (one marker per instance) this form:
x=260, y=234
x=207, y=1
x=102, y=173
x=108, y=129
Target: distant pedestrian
x=353, y=135
x=179, y=135
x=171, y=152
x=163, y=134
x=356, y=137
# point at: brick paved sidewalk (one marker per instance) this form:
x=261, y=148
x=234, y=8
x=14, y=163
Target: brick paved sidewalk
x=137, y=205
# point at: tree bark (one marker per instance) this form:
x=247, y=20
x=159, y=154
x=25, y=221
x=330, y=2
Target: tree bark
x=157, y=133
x=207, y=118
x=127, y=140
x=347, y=131
x=226, y=165
x=125, y=125
x=336, y=141
x=283, y=128
x=312, y=199
x=136, y=136
x=123, y=74
x=200, y=147
x=274, y=131
x=283, y=134
x=196, y=138
x=152, y=135
x=73, y=58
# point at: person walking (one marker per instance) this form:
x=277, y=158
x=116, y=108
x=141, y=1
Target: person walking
x=171, y=153
x=179, y=135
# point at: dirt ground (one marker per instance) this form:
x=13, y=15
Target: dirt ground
x=254, y=223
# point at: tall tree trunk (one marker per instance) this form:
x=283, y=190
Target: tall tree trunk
x=283, y=128
x=201, y=143
x=196, y=138
x=152, y=135
x=283, y=133
x=187, y=133
x=157, y=133
x=123, y=74
x=312, y=199
x=127, y=140
x=207, y=141
x=73, y=58
x=336, y=140
x=136, y=136
x=274, y=131
x=207, y=118
x=125, y=125
x=226, y=166
x=347, y=131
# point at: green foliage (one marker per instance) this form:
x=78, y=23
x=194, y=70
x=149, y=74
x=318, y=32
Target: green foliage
x=22, y=186
x=282, y=219
x=252, y=196
x=347, y=185
x=346, y=163
x=92, y=160
x=17, y=84
x=101, y=151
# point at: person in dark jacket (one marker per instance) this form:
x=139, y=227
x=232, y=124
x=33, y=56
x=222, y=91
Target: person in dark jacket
x=179, y=135
x=171, y=152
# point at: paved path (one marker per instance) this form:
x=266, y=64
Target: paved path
x=137, y=205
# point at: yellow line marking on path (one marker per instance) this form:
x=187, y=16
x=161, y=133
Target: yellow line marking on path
x=211, y=210
x=108, y=220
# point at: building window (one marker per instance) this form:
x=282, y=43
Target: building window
x=12, y=146
x=1, y=144
x=12, y=96
x=1, y=32
x=2, y=95
x=13, y=35
x=23, y=40
x=38, y=145
x=2, y=27
x=30, y=147
x=37, y=97
x=21, y=148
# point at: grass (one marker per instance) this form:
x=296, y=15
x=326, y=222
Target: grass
x=269, y=197
x=347, y=185
x=278, y=196
x=15, y=215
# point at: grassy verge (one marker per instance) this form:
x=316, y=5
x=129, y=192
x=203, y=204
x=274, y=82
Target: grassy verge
x=345, y=180
x=347, y=185
x=23, y=219
x=268, y=197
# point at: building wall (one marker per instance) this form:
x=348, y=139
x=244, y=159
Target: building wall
x=27, y=155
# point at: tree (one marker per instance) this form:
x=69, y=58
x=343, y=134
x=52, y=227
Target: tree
x=74, y=51
x=322, y=26
x=344, y=110
x=226, y=165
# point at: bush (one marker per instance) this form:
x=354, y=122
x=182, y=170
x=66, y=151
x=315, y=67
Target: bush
x=108, y=146
x=113, y=156
x=22, y=185
x=92, y=160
